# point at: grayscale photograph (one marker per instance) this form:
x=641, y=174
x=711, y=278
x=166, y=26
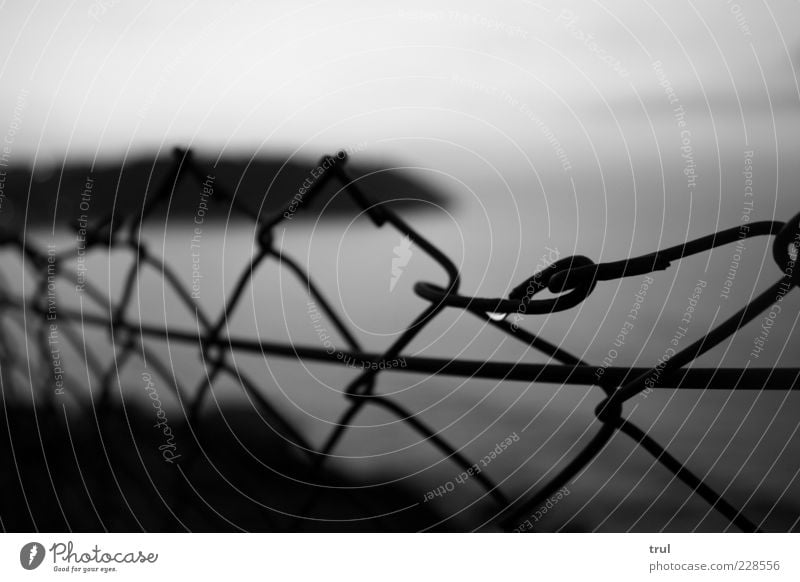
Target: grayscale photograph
x=363, y=267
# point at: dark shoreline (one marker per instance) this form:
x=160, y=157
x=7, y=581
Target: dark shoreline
x=80, y=192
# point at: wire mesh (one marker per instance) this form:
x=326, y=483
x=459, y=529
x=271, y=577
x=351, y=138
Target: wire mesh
x=571, y=279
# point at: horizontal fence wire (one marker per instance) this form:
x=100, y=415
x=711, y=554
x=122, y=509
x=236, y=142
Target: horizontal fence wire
x=571, y=279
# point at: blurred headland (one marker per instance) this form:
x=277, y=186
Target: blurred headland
x=264, y=185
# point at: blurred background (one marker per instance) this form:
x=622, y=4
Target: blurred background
x=514, y=132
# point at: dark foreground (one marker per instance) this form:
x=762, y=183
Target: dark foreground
x=105, y=472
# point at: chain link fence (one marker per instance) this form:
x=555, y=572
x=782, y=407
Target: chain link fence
x=570, y=281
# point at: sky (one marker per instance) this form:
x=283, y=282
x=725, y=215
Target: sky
x=546, y=122
x=605, y=129
x=101, y=79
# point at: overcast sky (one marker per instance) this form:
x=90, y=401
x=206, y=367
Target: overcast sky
x=106, y=77
x=604, y=129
